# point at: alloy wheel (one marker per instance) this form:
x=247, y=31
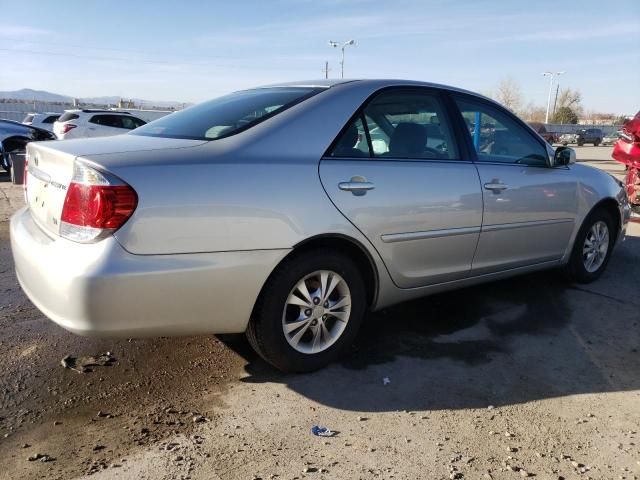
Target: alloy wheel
x=316, y=312
x=596, y=246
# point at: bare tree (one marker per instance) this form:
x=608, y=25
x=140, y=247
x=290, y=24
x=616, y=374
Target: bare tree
x=509, y=94
x=533, y=113
x=570, y=98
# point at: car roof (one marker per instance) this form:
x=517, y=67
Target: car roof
x=96, y=110
x=371, y=83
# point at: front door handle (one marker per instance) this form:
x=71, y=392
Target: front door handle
x=357, y=185
x=495, y=186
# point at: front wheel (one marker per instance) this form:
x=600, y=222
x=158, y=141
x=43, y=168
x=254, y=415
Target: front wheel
x=309, y=312
x=592, y=247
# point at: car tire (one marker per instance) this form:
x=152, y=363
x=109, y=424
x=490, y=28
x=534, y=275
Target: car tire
x=580, y=144
x=587, y=244
x=596, y=143
x=564, y=144
x=6, y=162
x=284, y=326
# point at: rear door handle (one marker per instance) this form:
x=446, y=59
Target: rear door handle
x=495, y=187
x=357, y=186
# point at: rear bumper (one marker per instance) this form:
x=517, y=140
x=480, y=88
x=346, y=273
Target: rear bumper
x=102, y=290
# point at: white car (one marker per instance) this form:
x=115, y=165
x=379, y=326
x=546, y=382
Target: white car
x=41, y=120
x=94, y=123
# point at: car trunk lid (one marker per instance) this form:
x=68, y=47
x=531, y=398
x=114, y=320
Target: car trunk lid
x=48, y=175
x=51, y=164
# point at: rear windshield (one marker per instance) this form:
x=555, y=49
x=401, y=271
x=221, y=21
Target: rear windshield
x=226, y=115
x=65, y=117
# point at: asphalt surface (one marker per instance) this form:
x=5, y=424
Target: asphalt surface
x=527, y=377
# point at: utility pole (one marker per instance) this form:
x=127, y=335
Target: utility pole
x=343, y=46
x=326, y=70
x=550, y=75
x=555, y=102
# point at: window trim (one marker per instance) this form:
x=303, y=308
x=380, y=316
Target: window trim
x=447, y=107
x=467, y=137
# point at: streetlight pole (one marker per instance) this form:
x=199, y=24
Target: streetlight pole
x=343, y=46
x=551, y=75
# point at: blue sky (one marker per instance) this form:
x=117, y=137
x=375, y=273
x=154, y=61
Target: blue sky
x=194, y=50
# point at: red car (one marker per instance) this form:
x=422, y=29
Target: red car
x=627, y=151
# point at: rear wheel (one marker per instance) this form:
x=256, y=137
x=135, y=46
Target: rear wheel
x=309, y=311
x=592, y=248
x=596, y=143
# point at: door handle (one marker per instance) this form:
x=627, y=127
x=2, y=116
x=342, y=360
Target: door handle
x=357, y=185
x=495, y=187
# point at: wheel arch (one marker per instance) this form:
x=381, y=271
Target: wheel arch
x=356, y=252
x=15, y=141
x=342, y=243
x=610, y=205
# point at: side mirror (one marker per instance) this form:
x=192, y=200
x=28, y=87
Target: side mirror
x=564, y=156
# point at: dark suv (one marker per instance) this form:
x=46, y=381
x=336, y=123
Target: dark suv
x=586, y=135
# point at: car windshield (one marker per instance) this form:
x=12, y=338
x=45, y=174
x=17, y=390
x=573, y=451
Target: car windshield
x=227, y=115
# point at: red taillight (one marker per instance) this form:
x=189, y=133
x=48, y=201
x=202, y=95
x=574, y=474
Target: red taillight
x=98, y=206
x=67, y=127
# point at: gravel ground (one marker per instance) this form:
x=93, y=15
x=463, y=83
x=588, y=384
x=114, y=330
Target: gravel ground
x=525, y=377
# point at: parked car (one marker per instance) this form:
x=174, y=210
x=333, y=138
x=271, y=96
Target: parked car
x=611, y=138
x=541, y=130
x=15, y=136
x=41, y=120
x=94, y=123
x=287, y=226
x=585, y=135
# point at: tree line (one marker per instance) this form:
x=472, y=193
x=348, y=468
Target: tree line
x=566, y=108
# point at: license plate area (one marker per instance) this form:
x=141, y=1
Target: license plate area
x=43, y=199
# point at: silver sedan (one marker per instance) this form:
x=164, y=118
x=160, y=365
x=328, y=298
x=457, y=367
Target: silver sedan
x=288, y=211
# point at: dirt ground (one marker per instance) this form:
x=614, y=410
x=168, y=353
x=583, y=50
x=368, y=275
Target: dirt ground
x=526, y=377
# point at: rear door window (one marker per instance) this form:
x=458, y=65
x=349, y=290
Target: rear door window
x=399, y=124
x=131, y=122
x=353, y=141
x=113, y=121
x=50, y=119
x=410, y=124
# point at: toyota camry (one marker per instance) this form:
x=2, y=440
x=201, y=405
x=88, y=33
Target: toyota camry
x=289, y=211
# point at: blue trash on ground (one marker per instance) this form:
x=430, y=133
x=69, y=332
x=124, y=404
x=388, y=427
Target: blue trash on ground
x=319, y=431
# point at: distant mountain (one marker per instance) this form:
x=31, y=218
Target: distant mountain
x=27, y=94
x=37, y=95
